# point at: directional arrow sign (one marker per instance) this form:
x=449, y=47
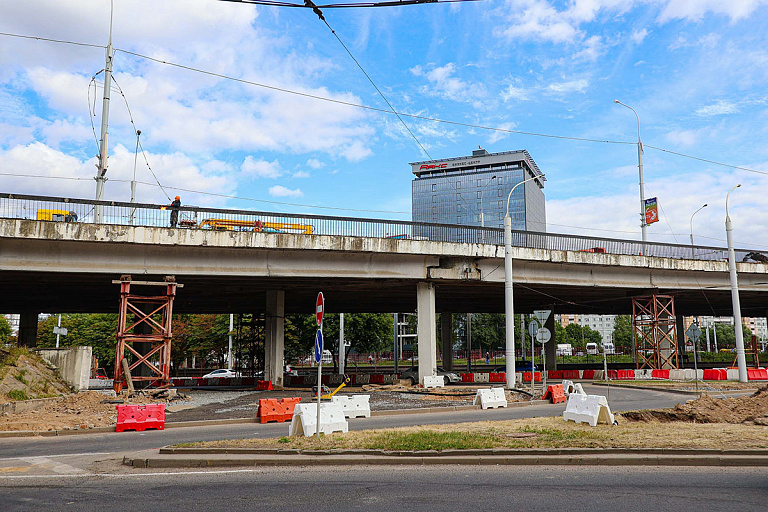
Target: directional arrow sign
x=694, y=333
x=318, y=346
x=533, y=328
x=543, y=335
x=542, y=315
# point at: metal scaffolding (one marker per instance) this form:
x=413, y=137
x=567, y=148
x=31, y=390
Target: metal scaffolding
x=144, y=333
x=655, y=332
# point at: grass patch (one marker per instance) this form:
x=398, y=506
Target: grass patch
x=430, y=440
x=20, y=376
x=17, y=394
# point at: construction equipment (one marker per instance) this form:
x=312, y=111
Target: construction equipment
x=258, y=226
x=327, y=395
x=57, y=215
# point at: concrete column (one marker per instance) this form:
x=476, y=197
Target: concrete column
x=667, y=349
x=274, y=337
x=551, y=345
x=28, y=329
x=427, y=330
x=446, y=336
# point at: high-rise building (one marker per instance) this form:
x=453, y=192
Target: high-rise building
x=473, y=190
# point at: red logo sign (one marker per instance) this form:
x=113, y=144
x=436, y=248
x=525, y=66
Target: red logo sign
x=319, y=307
x=433, y=166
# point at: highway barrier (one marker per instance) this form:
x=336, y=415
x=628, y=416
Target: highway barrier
x=757, y=374
x=467, y=377
x=434, y=381
x=482, y=377
x=304, y=421
x=277, y=410
x=355, y=406
x=555, y=393
x=140, y=417
x=592, y=409
x=491, y=398
x=497, y=377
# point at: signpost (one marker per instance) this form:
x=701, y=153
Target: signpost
x=319, y=309
x=694, y=333
x=533, y=328
x=59, y=331
x=543, y=335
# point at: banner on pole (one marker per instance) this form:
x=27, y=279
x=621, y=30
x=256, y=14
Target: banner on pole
x=651, y=210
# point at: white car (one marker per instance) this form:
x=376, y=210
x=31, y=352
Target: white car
x=223, y=372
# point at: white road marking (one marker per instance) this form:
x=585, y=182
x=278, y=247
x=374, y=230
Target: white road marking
x=60, y=455
x=46, y=463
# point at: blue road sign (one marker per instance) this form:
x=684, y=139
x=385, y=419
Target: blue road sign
x=318, y=346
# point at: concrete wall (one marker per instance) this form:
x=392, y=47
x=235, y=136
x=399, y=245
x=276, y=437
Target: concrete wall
x=73, y=363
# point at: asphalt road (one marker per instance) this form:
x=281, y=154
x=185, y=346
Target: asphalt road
x=398, y=488
x=620, y=399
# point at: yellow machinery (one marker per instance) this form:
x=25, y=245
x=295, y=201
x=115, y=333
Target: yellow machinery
x=328, y=396
x=57, y=215
x=258, y=226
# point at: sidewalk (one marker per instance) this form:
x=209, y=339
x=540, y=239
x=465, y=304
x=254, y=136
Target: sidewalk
x=211, y=457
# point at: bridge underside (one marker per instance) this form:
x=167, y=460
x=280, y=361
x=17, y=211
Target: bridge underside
x=95, y=293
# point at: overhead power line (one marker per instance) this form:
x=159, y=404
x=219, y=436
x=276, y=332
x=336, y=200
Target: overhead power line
x=387, y=3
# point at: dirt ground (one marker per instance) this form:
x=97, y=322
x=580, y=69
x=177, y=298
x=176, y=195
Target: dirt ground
x=707, y=409
x=27, y=376
x=704, y=386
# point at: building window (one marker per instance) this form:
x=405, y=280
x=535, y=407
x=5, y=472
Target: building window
x=458, y=219
x=434, y=187
x=479, y=194
x=434, y=199
x=479, y=183
x=500, y=204
x=458, y=196
x=434, y=209
x=501, y=192
x=458, y=184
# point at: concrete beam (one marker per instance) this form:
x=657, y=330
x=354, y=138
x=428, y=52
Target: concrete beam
x=274, y=337
x=427, y=330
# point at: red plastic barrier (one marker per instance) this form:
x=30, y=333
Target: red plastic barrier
x=497, y=377
x=279, y=410
x=555, y=393
x=715, y=375
x=248, y=381
x=467, y=377
x=326, y=379
x=625, y=374
x=588, y=374
x=570, y=374
x=555, y=374
x=264, y=385
x=757, y=374
x=613, y=374
x=140, y=417
x=527, y=377
x=377, y=379
x=660, y=374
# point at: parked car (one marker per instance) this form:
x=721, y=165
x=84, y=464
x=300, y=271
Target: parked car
x=222, y=372
x=609, y=348
x=413, y=375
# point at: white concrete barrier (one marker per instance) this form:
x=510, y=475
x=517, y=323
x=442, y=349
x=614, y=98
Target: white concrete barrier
x=491, y=398
x=73, y=364
x=581, y=374
x=592, y=409
x=568, y=387
x=304, y=421
x=434, y=381
x=578, y=389
x=362, y=378
x=599, y=375
x=482, y=377
x=355, y=406
x=643, y=374
x=732, y=374
x=676, y=374
x=335, y=379
x=390, y=378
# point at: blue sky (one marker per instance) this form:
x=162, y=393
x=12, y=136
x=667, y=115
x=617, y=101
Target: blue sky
x=695, y=71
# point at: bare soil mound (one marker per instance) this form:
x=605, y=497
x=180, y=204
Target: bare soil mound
x=707, y=409
x=26, y=375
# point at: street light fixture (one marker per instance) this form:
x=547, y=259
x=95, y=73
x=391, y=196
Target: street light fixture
x=640, y=169
x=509, y=309
x=741, y=360
x=693, y=254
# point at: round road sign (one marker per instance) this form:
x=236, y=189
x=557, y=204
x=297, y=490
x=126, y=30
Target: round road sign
x=543, y=335
x=318, y=346
x=319, y=307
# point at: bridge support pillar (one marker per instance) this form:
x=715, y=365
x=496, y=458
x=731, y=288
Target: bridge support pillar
x=551, y=346
x=28, y=329
x=427, y=330
x=446, y=336
x=274, y=337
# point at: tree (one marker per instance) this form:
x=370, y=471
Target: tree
x=5, y=330
x=98, y=331
x=622, y=332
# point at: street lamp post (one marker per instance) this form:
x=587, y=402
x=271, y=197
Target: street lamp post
x=640, y=169
x=693, y=253
x=741, y=360
x=509, y=309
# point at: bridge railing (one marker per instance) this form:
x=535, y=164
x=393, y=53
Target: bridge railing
x=22, y=206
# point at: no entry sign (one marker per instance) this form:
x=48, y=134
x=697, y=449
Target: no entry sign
x=319, y=307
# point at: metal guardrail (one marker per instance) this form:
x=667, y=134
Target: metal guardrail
x=22, y=206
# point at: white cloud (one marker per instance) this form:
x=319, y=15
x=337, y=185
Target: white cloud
x=314, y=163
x=261, y=168
x=515, y=93
x=638, y=36
x=694, y=10
x=445, y=84
x=568, y=87
x=497, y=135
x=686, y=138
x=593, y=47
x=300, y=174
x=281, y=191
x=718, y=108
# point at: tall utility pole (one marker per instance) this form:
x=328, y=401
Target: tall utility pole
x=104, y=141
x=643, y=225
x=741, y=360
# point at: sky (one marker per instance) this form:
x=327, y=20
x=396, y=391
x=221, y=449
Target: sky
x=696, y=72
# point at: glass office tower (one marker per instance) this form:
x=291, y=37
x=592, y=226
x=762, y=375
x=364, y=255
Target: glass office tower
x=473, y=190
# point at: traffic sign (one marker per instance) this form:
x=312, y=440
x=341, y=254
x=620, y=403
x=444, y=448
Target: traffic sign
x=533, y=327
x=543, y=335
x=60, y=330
x=693, y=332
x=542, y=315
x=318, y=346
x=319, y=307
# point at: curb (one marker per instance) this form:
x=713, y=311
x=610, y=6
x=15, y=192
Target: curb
x=678, y=391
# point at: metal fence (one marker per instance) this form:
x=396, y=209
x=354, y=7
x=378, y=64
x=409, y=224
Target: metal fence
x=59, y=209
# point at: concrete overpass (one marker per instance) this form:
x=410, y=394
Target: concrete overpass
x=69, y=267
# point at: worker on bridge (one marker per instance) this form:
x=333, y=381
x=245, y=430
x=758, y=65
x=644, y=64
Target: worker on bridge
x=175, y=205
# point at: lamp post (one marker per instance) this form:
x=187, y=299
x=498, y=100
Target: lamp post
x=509, y=309
x=640, y=169
x=693, y=253
x=104, y=141
x=741, y=360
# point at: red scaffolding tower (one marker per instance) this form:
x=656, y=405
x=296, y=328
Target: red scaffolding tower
x=654, y=332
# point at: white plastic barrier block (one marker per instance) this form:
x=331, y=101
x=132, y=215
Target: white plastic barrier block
x=482, y=377
x=434, y=381
x=676, y=374
x=362, y=378
x=355, y=406
x=592, y=409
x=568, y=387
x=304, y=421
x=643, y=374
x=689, y=374
x=732, y=374
x=599, y=375
x=700, y=374
x=491, y=398
x=581, y=374
x=390, y=378
x=335, y=379
x=578, y=389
